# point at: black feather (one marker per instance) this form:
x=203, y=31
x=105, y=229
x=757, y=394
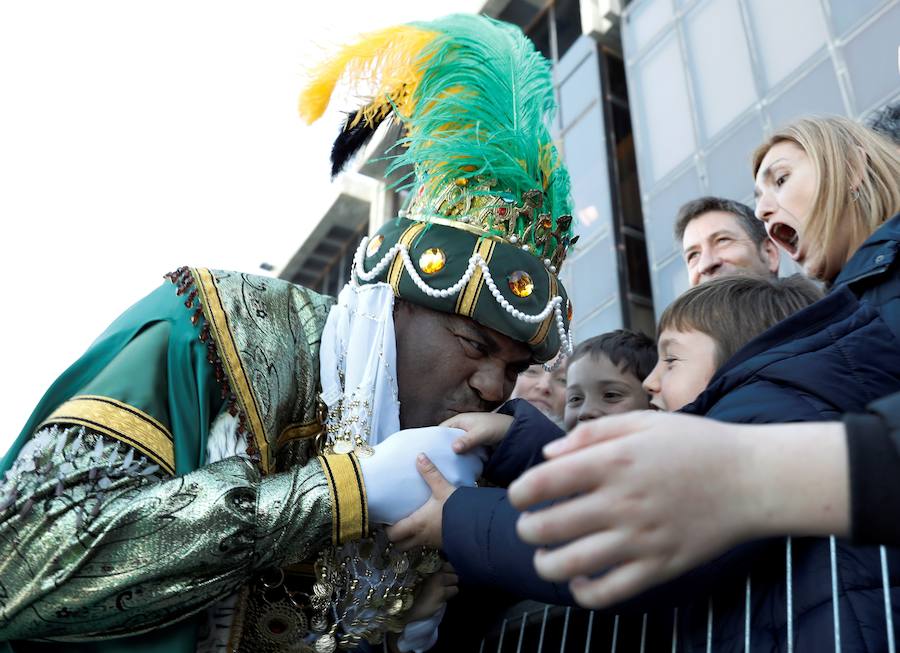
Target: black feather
x=351, y=140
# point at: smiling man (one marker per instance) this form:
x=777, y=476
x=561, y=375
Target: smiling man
x=720, y=236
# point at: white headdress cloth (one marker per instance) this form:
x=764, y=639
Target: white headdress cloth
x=358, y=344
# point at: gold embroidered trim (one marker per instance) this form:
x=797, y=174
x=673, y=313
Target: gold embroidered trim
x=468, y=296
x=457, y=224
x=349, y=517
x=240, y=385
x=396, y=270
x=121, y=421
x=544, y=327
x=298, y=432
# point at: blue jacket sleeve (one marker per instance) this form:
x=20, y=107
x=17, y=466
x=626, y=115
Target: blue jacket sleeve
x=480, y=541
x=522, y=447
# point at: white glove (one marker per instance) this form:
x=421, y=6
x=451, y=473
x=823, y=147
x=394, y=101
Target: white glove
x=394, y=488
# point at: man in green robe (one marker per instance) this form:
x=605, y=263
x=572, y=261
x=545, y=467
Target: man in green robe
x=221, y=430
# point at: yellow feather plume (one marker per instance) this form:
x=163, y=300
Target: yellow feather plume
x=386, y=65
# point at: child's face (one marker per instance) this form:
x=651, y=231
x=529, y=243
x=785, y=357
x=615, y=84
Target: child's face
x=596, y=387
x=687, y=362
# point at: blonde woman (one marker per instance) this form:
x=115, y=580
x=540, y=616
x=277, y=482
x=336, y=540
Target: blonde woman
x=828, y=191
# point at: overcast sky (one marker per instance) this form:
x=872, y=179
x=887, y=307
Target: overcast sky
x=136, y=137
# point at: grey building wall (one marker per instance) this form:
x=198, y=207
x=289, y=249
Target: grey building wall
x=590, y=272
x=709, y=79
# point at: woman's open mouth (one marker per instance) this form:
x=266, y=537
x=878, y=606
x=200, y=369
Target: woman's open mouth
x=786, y=237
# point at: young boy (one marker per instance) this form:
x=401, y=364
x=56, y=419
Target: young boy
x=709, y=323
x=604, y=375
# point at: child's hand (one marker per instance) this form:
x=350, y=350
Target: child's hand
x=434, y=593
x=481, y=430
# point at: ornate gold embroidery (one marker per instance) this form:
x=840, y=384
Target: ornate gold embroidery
x=121, y=421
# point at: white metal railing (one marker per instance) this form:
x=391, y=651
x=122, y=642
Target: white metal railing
x=613, y=644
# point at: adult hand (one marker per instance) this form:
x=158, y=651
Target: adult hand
x=481, y=430
x=424, y=526
x=658, y=494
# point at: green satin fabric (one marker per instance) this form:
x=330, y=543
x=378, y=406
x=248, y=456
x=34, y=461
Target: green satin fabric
x=151, y=358
x=190, y=397
x=165, y=374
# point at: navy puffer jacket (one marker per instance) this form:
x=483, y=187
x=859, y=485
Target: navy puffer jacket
x=833, y=357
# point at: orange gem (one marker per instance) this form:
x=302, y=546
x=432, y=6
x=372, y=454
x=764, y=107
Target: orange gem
x=569, y=310
x=547, y=223
x=520, y=283
x=432, y=260
x=461, y=181
x=374, y=245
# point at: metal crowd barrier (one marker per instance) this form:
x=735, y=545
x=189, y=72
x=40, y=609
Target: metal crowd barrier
x=538, y=628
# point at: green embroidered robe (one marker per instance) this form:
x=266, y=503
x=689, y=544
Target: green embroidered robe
x=116, y=532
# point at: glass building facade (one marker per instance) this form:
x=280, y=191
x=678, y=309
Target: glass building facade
x=665, y=109
x=709, y=79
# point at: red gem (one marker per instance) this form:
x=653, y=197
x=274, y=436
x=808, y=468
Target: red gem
x=501, y=211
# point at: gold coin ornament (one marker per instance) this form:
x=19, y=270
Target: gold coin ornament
x=364, y=588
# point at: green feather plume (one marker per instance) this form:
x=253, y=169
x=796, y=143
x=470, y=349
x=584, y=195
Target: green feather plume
x=482, y=111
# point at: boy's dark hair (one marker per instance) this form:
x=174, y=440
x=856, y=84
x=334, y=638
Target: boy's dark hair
x=630, y=351
x=744, y=215
x=735, y=309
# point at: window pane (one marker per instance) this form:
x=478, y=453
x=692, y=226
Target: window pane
x=872, y=59
x=845, y=15
x=646, y=19
x=728, y=164
x=607, y=319
x=637, y=266
x=579, y=88
x=720, y=63
x=817, y=93
x=669, y=281
x=660, y=218
x=584, y=149
x=568, y=24
x=787, y=34
x=595, y=278
x=540, y=36
x=667, y=129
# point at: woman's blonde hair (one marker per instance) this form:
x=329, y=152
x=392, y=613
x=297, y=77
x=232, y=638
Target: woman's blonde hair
x=857, y=178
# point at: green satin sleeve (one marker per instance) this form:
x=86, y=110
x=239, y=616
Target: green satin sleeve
x=100, y=543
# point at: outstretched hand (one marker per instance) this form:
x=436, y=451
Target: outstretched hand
x=481, y=430
x=423, y=527
x=656, y=494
